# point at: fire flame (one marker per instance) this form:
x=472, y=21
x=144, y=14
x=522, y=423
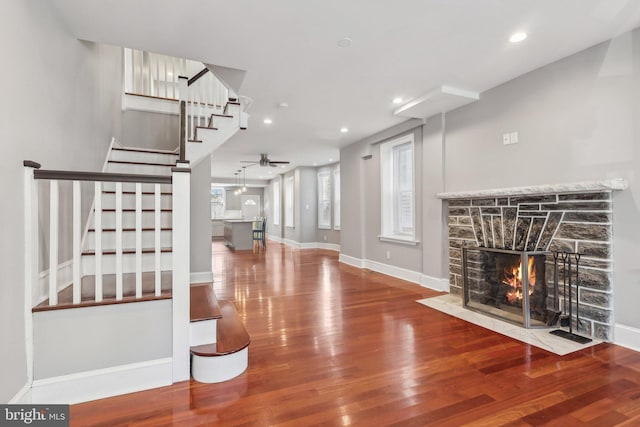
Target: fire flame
x=513, y=278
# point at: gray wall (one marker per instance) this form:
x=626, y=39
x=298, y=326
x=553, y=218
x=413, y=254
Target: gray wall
x=201, y=217
x=577, y=120
x=273, y=229
x=150, y=130
x=84, y=339
x=234, y=202
x=306, y=189
x=61, y=107
x=360, y=194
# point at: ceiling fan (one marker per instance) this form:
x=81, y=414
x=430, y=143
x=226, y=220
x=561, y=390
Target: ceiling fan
x=265, y=161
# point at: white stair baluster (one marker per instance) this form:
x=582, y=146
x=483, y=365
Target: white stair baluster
x=138, y=240
x=119, y=285
x=53, y=242
x=157, y=231
x=97, y=222
x=77, y=239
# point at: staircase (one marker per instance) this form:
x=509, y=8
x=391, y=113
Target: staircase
x=133, y=248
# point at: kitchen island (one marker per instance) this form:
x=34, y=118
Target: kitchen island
x=238, y=234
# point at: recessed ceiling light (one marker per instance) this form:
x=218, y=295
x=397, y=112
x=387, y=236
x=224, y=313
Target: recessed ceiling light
x=267, y=121
x=517, y=37
x=315, y=164
x=282, y=167
x=331, y=160
x=283, y=105
x=345, y=42
x=344, y=129
x=397, y=100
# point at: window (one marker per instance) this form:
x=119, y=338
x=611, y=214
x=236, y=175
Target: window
x=324, y=200
x=288, y=201
x=336, y=199
x=396, y=165
x=276, y=203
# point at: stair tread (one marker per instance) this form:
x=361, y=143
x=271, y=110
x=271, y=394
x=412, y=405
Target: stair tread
x=92, y=252
x=127, y=162
x=112, y=230
x=144, y=193
x=222, y=115
x=204, y=305
x=206, y=127
x=133, y=210
x=145, y=150
x=231, y=334
x=65, y=296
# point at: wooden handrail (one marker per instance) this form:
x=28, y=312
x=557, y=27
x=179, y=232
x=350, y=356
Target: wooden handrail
x=195, y=78
x=183, y=124
x=101, y=176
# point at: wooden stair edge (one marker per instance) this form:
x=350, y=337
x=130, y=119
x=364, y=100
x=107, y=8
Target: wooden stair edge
x=130, y=162
x=204, y=305
x=107, y=301
x=145, y=150
x=232, y=336
x=126, y=251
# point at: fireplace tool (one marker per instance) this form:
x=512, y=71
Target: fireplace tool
x=566, y=320
x=554, y=316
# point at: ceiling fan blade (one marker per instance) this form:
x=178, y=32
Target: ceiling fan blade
x=248, y=161
x=279, y=162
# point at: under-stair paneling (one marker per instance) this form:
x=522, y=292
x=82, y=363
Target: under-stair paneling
x=85, y=339
x=201, y=216
x=145, y=129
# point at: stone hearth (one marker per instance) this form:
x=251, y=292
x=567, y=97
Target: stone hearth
x=559, y=219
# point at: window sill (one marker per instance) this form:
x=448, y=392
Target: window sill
x=324, y=227
x=400, y=240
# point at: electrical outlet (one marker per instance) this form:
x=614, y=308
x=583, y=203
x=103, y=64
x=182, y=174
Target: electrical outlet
x=506, y=138
x=514, y=137
x=388, y=254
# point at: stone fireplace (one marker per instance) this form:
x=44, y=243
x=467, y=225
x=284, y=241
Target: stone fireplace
x=535, y=221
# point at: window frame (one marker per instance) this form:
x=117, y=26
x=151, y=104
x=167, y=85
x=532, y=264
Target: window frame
x=276, y=202
x=324, y=186
x=336, y=199
x=289, y=207
x=390, y=197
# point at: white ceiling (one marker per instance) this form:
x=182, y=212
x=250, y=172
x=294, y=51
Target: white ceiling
x=400, y=49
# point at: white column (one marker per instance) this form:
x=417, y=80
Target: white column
x=138, y=240
x=77, y=239
x=53, y=242
x=30, y=258
x=119, y=285
x=97, y=224
x=158, y=242
x=180, y=280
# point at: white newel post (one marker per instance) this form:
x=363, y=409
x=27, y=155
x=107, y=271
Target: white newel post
x=30, y=257
x=181, y=269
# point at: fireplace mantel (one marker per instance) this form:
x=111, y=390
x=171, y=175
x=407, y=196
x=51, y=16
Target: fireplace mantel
x=575, y=187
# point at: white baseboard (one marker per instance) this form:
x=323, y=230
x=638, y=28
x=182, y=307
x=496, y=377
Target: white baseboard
x=397, y=272
x=352, y=261
x=307, y=245
x=101, y=383
x=20, y=394
x=65, y=278
x=277, y=239
x=435, y=283
x=201, y=277
x=626, y=336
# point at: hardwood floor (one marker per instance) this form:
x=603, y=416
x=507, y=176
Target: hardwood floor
x=335, y=345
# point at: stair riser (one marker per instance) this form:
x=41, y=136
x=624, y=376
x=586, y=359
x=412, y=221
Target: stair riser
x=128, y=240
x=138, y=156
x=129, y=201
x=128, y=263
x=138, y=169
x=129, y=220
x=203, y=332
x=220, y=368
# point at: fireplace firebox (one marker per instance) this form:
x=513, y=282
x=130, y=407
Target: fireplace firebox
x=507, y=284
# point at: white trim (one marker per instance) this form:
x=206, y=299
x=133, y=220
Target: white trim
x=306, y=245
x=328, y=246
x=626, y=336
x=100, y=383
x=65, y=277
x=20, y=394
x=411, y=242
x=352, y=261
x=201, y=277
x=435, y=283
x=217, y=369
x=423, y=280
x=277, y=239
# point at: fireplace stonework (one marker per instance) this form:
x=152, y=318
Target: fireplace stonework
x=573, y=222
